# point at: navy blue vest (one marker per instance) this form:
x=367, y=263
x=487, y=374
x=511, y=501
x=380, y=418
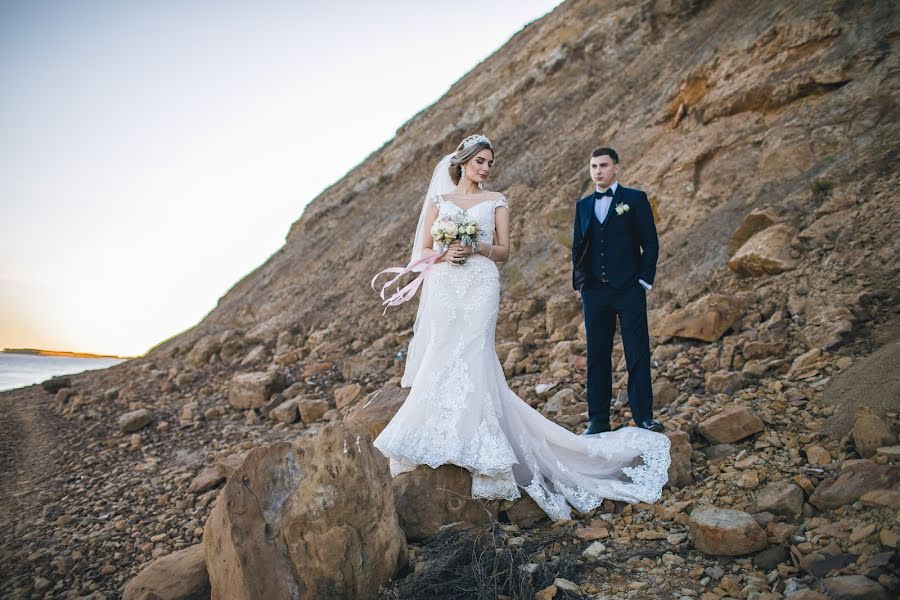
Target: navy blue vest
x=599, y=249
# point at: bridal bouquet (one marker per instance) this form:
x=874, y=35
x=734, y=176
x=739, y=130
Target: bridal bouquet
x=463, y=228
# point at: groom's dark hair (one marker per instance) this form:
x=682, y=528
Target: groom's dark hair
x=606, y=152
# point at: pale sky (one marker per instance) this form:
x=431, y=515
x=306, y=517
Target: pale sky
x=154, y=152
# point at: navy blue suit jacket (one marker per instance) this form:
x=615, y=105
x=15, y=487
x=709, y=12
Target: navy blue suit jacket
x=633, y=247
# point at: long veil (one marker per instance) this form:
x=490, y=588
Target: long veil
x=440, y=184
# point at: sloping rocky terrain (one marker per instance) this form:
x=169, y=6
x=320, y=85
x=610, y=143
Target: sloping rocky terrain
x=766, y=136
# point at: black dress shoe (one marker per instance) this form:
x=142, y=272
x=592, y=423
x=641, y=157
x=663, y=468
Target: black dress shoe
x=596, y=427
x=652, y=425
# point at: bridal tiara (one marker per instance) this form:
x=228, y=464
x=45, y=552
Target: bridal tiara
x=475, y=139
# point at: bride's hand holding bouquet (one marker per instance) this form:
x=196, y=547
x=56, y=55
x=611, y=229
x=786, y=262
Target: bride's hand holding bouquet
x=457, y=253
x=458, y=238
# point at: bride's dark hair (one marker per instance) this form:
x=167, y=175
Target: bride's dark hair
x=462, y=156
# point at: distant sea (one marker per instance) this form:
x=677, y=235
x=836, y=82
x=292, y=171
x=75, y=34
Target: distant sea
x=19, y=370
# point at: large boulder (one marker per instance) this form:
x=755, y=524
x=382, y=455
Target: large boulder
x=857, y=477
x=725, y=532
x=379, y=407
x=427, y=499
x=766, y=253
x=177, y=576
x=704, y=319
x=732, y=424
x=252, y=390
x=308, y=520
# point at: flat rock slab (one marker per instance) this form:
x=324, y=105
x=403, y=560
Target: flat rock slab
x=732, y=424
x=706, y=319
x=178, y=576
x=854, y=587
x=725, y=532
x=823, y=566
x=208, y=478
x=134, y=420
x=779, y=498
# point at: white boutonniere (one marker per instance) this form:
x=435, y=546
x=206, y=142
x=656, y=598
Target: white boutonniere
x=621, y=209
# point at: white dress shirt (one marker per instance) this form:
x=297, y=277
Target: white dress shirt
x=601, y=209
x=601, y=206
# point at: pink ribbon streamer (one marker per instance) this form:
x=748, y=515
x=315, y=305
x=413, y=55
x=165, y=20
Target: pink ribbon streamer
x=405, y=293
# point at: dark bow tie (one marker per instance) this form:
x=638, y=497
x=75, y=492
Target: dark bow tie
x=598, y=194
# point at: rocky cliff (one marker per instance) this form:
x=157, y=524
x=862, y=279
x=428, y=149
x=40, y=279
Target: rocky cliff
x=716, y=108
x=766, y=136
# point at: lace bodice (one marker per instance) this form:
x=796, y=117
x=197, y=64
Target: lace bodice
x=483, y=213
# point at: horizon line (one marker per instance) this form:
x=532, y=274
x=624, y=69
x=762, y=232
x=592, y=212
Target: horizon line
x=62, y=353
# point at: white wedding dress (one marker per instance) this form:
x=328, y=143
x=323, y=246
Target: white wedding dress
x=461, y=411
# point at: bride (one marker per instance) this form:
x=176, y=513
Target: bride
x=460, y=409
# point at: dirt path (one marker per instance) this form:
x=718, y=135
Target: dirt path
x=83, y=507
x=31, y=439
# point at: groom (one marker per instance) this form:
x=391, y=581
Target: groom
x=614, y=252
